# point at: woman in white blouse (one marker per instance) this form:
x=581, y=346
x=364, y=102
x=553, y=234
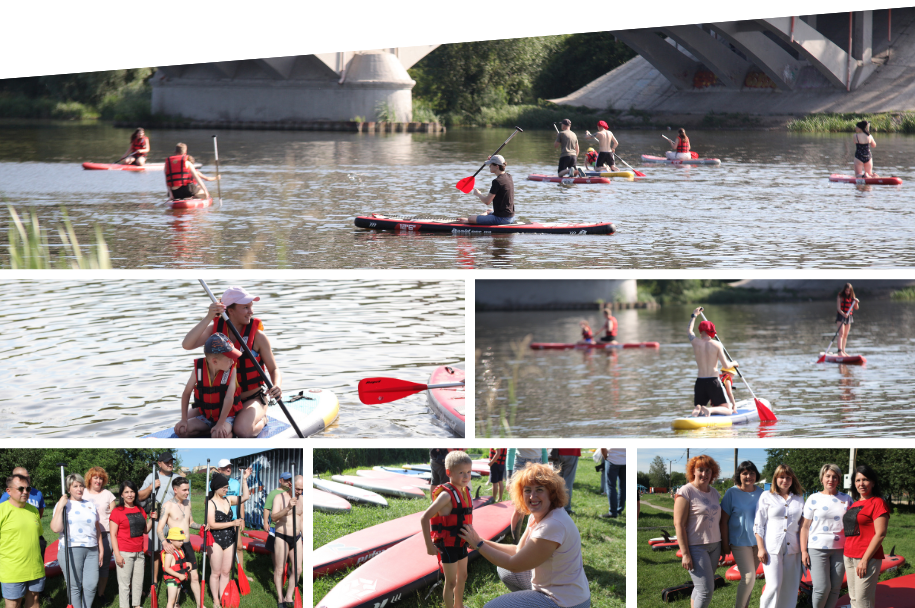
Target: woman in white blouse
x=777, y=528
x=823, y=537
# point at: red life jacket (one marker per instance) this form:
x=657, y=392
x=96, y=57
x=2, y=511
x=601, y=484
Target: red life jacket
x=682, y=145
x=846, y=302
x=587, y=334
x=139, y=143
x=248, y=377
x=176, y=172
x=591, y=157
x=500, y=459
x=611, y=326
x=209, y=398
x=445, y=528
x=181, y=565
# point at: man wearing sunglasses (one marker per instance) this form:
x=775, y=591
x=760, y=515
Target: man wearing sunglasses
x=22, y=575
x=36, y=499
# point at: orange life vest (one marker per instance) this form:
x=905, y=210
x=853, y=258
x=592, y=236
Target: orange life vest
x=210, y=398
x=587, y=334
x=591, y=157
x=248, y=376
x=682, y=145
x=139, y=143
x=176, y=172
x=445, y=528
x=500, y=459
x=181, y=565
x=611, y=326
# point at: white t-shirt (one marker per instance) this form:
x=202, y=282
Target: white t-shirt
x=562, y=576
x=616, y=456
x=102, y=502
x=81, y=519
x=529, y=453
x=825, y=513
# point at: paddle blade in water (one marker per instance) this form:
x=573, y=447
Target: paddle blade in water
x=385, y=390
x=764, y=412
x=822, y=358
x=466, y=185
x=638, y=173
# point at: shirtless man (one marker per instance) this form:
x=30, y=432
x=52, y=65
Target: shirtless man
x=708, y=354
x=285, y=485
x=176, y=513
x=284, y=505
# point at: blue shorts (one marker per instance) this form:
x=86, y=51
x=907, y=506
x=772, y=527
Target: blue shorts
x=493, y=220
x=16, y=591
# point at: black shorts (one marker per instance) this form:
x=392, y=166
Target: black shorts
x=189, y=555
x=187, y=191
x=844, y=320
x=604, y=158
x=271, y=540
x=452, y=555
x=710, y=389
x=566, y=162
x=496, y=473
x=609, y=338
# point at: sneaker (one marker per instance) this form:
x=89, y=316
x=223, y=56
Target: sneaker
x=608, y=516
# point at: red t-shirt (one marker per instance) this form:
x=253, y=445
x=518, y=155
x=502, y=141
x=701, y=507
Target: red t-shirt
x=872, y=508
x=577, y=452
x=126, y=542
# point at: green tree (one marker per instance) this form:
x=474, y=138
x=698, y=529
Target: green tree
x=677, y=479
x=642, y=479
x=657, y=473
x=577, y=60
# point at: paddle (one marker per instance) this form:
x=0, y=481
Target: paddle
x=204, y=533
x=243, y=585
x=384, y=390
x=153, y=597
x=295, y=548
x=230, y=597
x=822, y=358
x=466, y=184
x=260, y=370
x=70, y=581
x=764, y=412
x=218, y=187
x=691, y=153
x=637, y=173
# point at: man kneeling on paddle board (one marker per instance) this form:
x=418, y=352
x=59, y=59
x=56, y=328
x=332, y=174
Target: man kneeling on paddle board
x=501, y=195
x=708, y=354
x=182, y=179
x=238, y=305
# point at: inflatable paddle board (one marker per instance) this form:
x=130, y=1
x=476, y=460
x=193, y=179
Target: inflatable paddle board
x=890, y=562
x=666, y=546
x=406, y=566
x=313, y=410
x=848, y=360
x=536, y=177
x=414, y=480
x=413, y=225
x=897, y=592
x=398, y=471
x=448, y=403
x=258, y=534
x=875, y=181
x=662, y=539
x=387, y=486
x=624, y=174
x=595, y=346
x=425, y=468
x=349, y=492
x=746, y=412
x=120, y=167
x=362, y=545
x=191, y=203
x=647, y=158
x=329, y=503
x=254, y=545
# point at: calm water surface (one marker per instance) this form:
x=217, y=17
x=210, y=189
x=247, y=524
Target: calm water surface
x=104, y=358
x=638, y=392
x=289, y=199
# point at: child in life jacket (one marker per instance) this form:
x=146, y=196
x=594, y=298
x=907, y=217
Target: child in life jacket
x=587, y=336
x=591, y=159
x=609, y=326
x=176, y=567
x=217, y=397
x=727, y=379
x=451, y=510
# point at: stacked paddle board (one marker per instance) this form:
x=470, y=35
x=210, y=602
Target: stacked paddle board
x=596, y=345
x=382, y=485
x=448, y=403
x=350, y=493
x=329, y=503
x=647, y=158
x=875, y=181
x=536, y=177
x=746, y=412
x=377, y=221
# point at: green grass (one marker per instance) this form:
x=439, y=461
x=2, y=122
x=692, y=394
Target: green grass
x=258, y=568
x=886, y=122
x=29, y=248
x=529, y=116
x=603, y=545
x=907, y=294
x=658, y=570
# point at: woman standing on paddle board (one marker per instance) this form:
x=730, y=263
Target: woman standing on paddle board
x=846, y=305
x=104, y=501
x=681, y=147
x=697, y=519
x=864, y=141
x=138, y=150
x=865, y=523
x=738, y=511
x=501, y=196
x=822, y=547
x=778, y=538
x=545, y=569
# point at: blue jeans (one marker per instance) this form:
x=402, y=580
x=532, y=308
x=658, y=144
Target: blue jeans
x=493, y=220
x=614, y=472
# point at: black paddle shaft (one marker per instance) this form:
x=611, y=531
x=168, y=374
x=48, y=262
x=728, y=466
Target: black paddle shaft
x=250, y=355
x=70, y=581
x=505, y=143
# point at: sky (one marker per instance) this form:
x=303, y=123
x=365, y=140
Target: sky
x=723, y=456
x=191, y=458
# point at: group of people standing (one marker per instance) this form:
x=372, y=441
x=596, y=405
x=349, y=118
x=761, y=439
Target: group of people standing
x=831, y=534
x=95, y=525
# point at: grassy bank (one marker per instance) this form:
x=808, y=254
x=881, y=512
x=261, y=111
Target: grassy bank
x=887, y=122
x=658, y=570
x=603, y=545
x=541, y=115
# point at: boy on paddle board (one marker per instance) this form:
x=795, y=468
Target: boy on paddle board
x=567, y=141
x=138, y=150
x=182, y=179
x=212, y=383
x=442, y=522
x=609, y=326
x=501, y=196
x=708, y=354
x=607, y=145
x=587, y=336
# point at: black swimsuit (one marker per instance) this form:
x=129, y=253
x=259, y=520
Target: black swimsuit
x=225, y=537
x=863, y=151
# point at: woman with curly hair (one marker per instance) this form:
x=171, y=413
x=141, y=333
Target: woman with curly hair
x=697, y=519
x=545, y=569
x=104, y=501
x=865, y=523
x=778, y=538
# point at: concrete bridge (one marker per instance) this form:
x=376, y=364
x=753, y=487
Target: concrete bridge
x=840, y=62
x=326, y=86
x=522, y=294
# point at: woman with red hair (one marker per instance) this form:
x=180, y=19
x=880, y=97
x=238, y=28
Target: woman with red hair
x=104, y=501
x=697, y=518
x=545, y=569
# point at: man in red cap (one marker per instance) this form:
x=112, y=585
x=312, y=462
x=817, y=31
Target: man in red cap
x=606, y=146
x=238, y=306
x=709, y=353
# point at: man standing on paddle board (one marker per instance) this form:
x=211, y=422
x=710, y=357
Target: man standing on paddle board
x=606, y=145
x=567, y=141
x=182, y=179
x=708, y=354
x=238, y=305
x=501, y=196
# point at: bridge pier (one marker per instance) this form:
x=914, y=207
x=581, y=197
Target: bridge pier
x=729, y=67
x=674, y=65
x=498, y=294
x=772, y=59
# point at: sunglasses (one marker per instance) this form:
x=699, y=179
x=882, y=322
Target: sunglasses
x=25, y=489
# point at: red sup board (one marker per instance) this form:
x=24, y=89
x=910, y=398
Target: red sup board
x=728, y=559
x=406, y=567
x=874, y=181
x=258, y=534
x=848, y=360
x=890, y=562
x=655, y=541
x=191, y=203
x=414, y=480
x=408, y=225
x=52, y=565
x=448, y=403
x=361, y=546
x=897, y=592
x=118, y=167
x=596, y=345
x=665, y=546
x=536, y=177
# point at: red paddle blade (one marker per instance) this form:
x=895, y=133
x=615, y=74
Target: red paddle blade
x=285, y=572
x=153, y=600
x=694, y=154
x=465, y=185
x=822, y=358
x=203, y=592
x=638, y=173
x=385, y=390
x=230, y=597
x=243, y=583
x=764, y=412
x=298, y=598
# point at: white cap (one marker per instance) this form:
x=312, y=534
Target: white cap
x=496, y=159
x=237, y=295
x=225, y=462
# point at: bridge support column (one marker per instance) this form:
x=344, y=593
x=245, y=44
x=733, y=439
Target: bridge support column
x=673, y=65
x=776, y=63
x=729, y=67
x=862, y=48
x=828, y=58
